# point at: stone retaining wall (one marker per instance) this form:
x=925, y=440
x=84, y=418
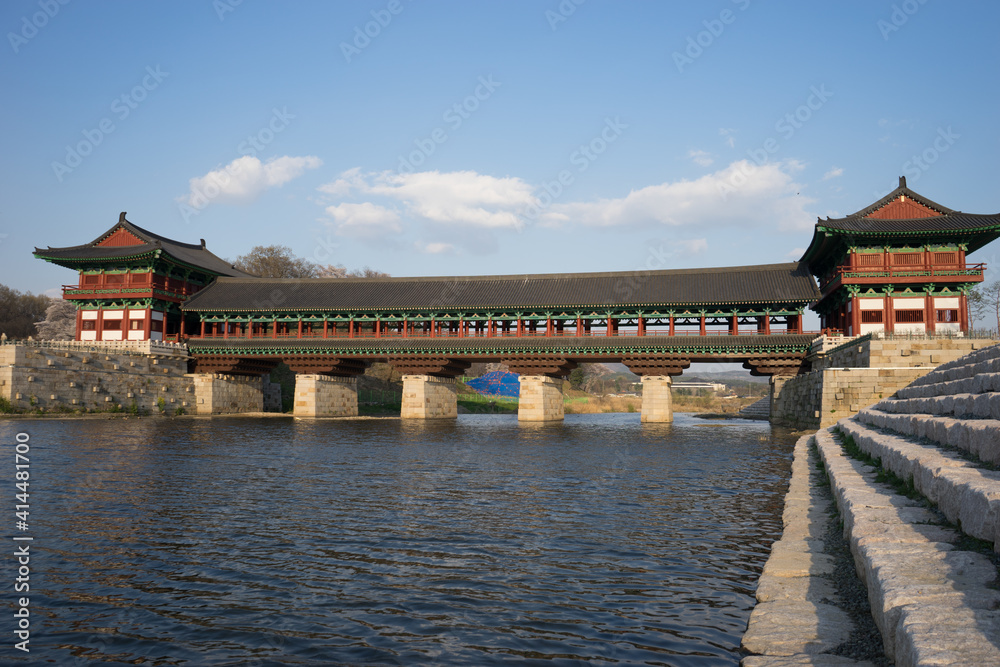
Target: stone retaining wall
x=821, y=398
x=95, y=379
x=52, y=378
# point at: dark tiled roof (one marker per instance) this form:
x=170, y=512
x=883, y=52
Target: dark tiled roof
x=187, y=253
x=952, y=222
x=771, y=283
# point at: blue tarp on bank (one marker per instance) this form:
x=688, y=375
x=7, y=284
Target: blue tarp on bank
x=497, y=383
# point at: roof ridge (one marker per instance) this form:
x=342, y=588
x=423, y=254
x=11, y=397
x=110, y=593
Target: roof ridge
x=760, y=268
x=895, y=194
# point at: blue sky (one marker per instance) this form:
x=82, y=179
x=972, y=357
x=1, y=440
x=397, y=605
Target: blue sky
x=460, y=138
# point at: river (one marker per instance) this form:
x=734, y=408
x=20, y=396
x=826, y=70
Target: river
x=258, y=541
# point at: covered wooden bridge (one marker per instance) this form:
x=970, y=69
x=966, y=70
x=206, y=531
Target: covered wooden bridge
x=432, y=329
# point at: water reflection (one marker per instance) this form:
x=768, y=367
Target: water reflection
x=475, y=541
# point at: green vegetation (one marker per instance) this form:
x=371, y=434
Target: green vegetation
x=161, y=404
x=5, y=407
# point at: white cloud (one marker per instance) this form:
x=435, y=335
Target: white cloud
x=795, y=253
x=365, y=220
x=702, y=158
x=833, y=173
x=436, y=248
x=245, y=178
x=740, y=195
x=458, y=197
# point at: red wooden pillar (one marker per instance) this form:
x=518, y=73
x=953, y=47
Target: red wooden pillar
x=203, y=328
x=798, y=323
x=79, y=324
x=670, y=325
x=929, y=313
x=100, y=324
x=378, y=328
x=642, y=326
x=225, y=328
x=963, y=312
x=701, y=326
x=579, y=326
x=611, y=327
x=433, y=328
x=520, y=326
x=326, y=328
x=890, y=314
x=767, y=323
x=274, y=328
x=299, y=332
x=734, y=325
x=249, y=327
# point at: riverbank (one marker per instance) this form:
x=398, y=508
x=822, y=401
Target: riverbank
x=913, y=482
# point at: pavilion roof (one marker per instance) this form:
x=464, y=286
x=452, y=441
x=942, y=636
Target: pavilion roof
x=789, y=283
x=902, y=216
x=129, y=241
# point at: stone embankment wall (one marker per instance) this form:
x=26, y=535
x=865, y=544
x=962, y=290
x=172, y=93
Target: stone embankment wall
x=98, y=378
x=914, y=481
x=858, y=373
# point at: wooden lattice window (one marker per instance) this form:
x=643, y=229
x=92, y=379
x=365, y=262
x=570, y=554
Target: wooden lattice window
x=869, y=259
x=908, y=258
x=871, y=317
x=114, y=279
x=946, y=315
x=946, y=258
x=156, y=325
x=89, y=325
x=140, y=278
x=112, y=325
x=909, y=316
x=135, y=325
x=91, y=279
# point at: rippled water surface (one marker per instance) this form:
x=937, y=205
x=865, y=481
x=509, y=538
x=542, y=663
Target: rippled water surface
x=232, y=541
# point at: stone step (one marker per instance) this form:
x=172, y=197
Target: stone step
x=799, y=619
x=979, y=437
x=966, y=494
x=931, y=601
x=984, y=404
x=961, y=376
x=759, y=410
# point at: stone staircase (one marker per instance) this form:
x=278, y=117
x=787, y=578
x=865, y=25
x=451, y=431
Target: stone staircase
x=759, y=410
x=915, y=480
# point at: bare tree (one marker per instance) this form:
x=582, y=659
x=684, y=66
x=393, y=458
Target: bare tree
x=19, y=311
x=59, y=322
x=277, y=261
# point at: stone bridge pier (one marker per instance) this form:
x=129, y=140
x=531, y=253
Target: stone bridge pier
x=325, y=386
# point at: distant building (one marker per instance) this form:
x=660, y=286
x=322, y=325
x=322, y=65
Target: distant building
x=713, y=386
